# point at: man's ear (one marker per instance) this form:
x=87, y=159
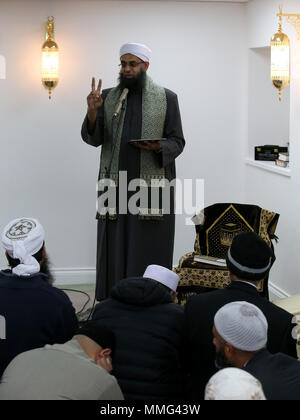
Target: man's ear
x=106, y=352
x=146, y=65
x=102, y=353
x=103, y=359
x=229, y=351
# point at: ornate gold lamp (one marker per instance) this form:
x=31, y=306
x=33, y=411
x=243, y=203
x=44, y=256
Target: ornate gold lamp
x=280, y=52
x=280, y=58
x=50, y=58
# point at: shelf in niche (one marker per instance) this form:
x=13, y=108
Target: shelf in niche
x=268, y=166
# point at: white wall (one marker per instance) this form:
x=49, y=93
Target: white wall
x=270, y=190
x=47, y=172
x=269, y=118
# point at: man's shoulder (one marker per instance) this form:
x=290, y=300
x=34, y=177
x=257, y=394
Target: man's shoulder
x=282, y=360
x=170, y=94
x=175, y=308
x=271, y=308
x=53, y=292
x=207, y=298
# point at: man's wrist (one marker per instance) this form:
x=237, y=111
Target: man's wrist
x=92, y=116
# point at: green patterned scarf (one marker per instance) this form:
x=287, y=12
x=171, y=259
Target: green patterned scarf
x=154, y=108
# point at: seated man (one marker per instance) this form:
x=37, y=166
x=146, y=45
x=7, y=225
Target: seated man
x=148, y=329
x=35, y=312
x=76, y=370
x=248, y=261
x=240, y=337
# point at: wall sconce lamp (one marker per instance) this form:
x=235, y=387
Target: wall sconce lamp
x=50, y=58
x=280, y=52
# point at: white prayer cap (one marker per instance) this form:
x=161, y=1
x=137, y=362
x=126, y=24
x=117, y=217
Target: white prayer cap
x=139, y=50
x=163, y=275
x=23, y=238
x=242, y=325
x=233, y=384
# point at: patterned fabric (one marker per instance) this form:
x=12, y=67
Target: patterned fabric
x=217, y=226
x=154, y=108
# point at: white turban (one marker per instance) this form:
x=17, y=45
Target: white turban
x=243, y=325
x=139, y=50
x=163, y=275
x=233, y=384
x=23, y=238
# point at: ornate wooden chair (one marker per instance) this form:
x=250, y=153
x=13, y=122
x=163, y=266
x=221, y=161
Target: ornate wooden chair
x=216, y=226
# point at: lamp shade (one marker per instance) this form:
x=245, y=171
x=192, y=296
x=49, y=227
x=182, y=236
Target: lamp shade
x=50, y=60
x=280, y=61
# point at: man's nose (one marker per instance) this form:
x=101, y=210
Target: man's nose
x=127, y=68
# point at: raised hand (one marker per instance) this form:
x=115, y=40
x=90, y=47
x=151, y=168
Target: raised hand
x=94, y=101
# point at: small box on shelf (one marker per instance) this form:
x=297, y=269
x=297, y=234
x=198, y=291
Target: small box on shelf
x=268, y=152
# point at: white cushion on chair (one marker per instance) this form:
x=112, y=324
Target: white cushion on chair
x=290, y=304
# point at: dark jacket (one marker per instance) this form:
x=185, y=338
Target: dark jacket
x=148, y=329
x=35, y=314
x=198, y=324
x=278, y=373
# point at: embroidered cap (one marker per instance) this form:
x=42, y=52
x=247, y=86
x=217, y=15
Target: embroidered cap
x=163, y=275
x=249, y=257
x=233, y=384
x=243, y=325
x=23, y=238
x=139, y=50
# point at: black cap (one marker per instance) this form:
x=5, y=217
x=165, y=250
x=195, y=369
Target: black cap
x=249, y=257
x=99, y=333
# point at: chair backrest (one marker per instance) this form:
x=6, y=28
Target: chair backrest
x=218, y=224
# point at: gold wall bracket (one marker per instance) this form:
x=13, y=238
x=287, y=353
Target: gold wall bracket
x=294, y=19
x=50, y=28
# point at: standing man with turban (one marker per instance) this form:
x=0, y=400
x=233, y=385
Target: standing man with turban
x=128, y=243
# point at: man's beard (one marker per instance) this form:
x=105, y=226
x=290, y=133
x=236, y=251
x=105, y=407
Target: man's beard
x=221, y=362
x=45, y=269
x=133, y=83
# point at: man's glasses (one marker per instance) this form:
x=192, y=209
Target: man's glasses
x=132, y=64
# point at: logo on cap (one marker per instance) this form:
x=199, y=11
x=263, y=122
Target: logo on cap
x=21, y=229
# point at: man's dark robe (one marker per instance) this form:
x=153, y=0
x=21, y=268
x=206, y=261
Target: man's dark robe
x=131, y=243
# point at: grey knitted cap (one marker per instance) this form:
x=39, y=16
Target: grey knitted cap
x=242, y=325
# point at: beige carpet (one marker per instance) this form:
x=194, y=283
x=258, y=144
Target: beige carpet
x=79, y=299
